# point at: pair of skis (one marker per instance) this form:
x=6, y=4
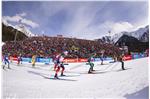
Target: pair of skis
x=64, y=79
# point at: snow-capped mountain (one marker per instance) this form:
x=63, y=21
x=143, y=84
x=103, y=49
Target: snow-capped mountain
x=106, y=39
x=142, y=34
x=25, y=30
x=9, y=33
x=145, y=37
x=20, y=28
x=137, y=41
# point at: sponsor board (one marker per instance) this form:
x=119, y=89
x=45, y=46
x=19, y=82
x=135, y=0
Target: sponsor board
x=127, y=57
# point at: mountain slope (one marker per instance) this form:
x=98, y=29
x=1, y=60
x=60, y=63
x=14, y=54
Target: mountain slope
x=137, y=41
x=134, y=45
x=141, y=34
x=8, y=33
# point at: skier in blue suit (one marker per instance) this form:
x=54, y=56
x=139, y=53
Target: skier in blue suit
x=6, y=61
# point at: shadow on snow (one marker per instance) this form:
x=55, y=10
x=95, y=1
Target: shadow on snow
x=142, y=94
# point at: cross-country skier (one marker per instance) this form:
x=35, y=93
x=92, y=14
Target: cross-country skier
x=90, y=62
x=102, y=56
x=33, y=60
x=55, y=58
x=6, y=61
x=60, y=64
x=115, y=58
x=120, y=59
x=19, y=59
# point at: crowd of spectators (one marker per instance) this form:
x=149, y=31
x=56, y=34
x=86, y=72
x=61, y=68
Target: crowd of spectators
x=49, y=46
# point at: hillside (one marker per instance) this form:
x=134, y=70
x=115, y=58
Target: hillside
x=137, y=41
x=142, y=34
x=8, y=34
x=134, y=45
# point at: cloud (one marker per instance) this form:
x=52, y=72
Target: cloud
x=19, y=18
x=22, y=14
x=15, y=18
x=90, y=20
x=82, y=24
x=141, y=23
x=25, y=26
x=97, y=31
x=30, y=23
x=81, y=19
x=24, y=29
x=5, y=22
x=121, y=26
x=51, y=8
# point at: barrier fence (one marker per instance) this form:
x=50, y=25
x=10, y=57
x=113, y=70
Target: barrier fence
x=67, y=60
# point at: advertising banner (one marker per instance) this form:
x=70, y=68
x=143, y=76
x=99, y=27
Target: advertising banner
x=26, y=59
x=43, y=60
x=13, y=58
x=108, y=58
x=83, y=60
x=138, y=55
x=67, y=60
x=104, y=59
x=127, y=57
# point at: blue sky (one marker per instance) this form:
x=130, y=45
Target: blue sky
x=88, y=20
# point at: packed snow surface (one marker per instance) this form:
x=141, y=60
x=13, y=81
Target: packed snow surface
x=107, y=81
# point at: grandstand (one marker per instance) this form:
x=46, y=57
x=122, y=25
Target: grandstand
x=44, y=46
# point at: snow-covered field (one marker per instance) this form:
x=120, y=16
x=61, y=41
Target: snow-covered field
x=108, y=81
